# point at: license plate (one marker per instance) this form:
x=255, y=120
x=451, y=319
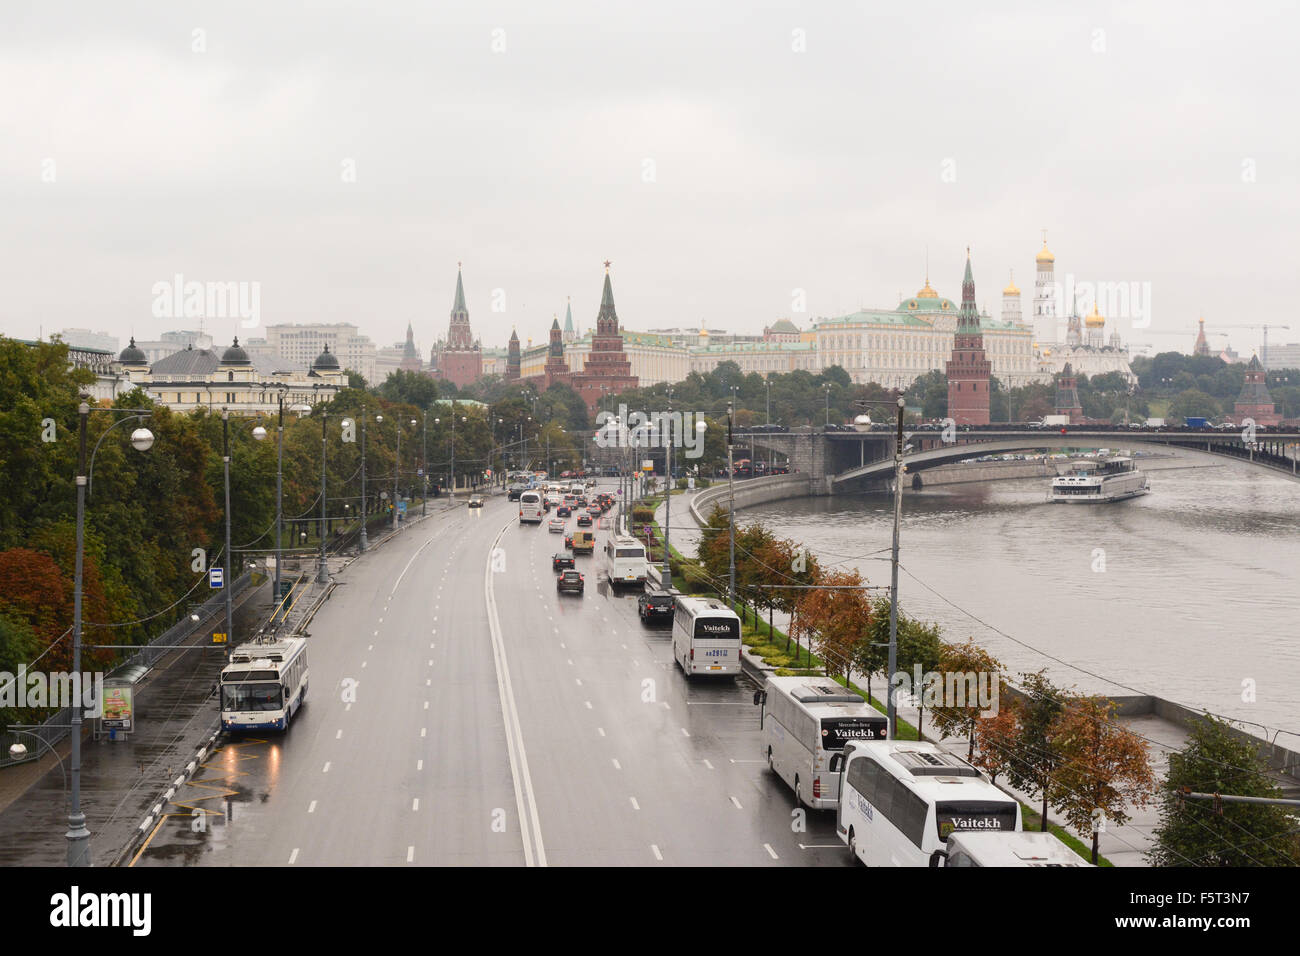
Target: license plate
x=715, y=667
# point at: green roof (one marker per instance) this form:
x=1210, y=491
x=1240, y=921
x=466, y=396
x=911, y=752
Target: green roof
x=880, y=317
x=754, y=347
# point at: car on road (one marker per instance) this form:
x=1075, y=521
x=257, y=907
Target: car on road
x=582, y=542
x=584, y=520
x=655, y=606
x=514, y=491
x=561, y=560
x=563, y=511
x=570, y=581
x=475, y=501
x=556, y=525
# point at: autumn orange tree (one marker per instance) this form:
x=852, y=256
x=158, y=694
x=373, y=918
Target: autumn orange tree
x=966, y=666
x=1103, y=767
x=835, y=616
x=996, y=736
x=1033, y=759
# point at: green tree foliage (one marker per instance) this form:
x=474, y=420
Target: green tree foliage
x=409, y=388
x=1192, y=402
x=1194, y=832
x=1035, y=763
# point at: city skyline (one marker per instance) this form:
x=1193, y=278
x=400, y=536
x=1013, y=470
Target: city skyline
x=336, y=183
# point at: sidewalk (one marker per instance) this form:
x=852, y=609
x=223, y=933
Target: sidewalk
x=1121, y=845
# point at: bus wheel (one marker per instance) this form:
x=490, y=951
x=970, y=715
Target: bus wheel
x=798, y=797
x=853, y=847
x=769, y=759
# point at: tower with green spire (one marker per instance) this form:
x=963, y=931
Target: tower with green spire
x=460, y=359
x=607, y=369
x=969, y=369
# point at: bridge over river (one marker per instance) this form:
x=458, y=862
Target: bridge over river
x=843, y=461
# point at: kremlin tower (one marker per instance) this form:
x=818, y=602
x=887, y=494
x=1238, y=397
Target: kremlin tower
x=1045, y=296
x=968, y=369
x=459, y=360
x=1010, y=303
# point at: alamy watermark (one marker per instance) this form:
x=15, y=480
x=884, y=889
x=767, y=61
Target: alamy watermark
x=654, y=430
x=55, y=690
x=179, y=299
x=1114, y=300
x=950, y=689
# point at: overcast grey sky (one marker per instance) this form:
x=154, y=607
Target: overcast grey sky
x=1161, y=149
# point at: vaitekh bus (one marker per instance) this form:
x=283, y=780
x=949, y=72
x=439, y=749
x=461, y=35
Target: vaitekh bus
x=706, y=637
x=806, y=723
x=264, y=685
x=901, y=799
x=1026, y=848
x=531, y=508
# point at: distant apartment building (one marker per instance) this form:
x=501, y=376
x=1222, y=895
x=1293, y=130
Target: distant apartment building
x=1281, y=356
x=86, y=339
x=170, y=343
x=297, y=346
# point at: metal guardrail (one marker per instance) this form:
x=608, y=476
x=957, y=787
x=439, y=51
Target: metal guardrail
x=56, y=727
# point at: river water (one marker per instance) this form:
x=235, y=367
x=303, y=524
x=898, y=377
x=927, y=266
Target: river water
x=1185, y=593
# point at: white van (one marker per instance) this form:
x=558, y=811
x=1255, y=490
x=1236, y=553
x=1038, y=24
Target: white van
x=530, y=507
x=625, y=561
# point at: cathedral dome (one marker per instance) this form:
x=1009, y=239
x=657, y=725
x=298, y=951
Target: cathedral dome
x=1096, y=320
x=927, y=292
x=131, y=355
x=1044, y=255
x=235, y=355
x=326, y=361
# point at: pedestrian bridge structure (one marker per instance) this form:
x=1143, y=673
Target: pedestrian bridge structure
x=841, y=461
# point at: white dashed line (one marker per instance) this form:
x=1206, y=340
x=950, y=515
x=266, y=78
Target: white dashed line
x=410, y=854
x=588, y=703
x=771, y=852
x=326, y=768
x=415, y=804
x=707, y=764
x=419, y=765
x=601, y=731
x=424, y=731
x=655, y=850
x=635, y=805
x=737, y=803
x=339, y=735
x=293, y=856
x=617, y=766
x=311, y=807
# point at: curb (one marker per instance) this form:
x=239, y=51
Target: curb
x=152, y=817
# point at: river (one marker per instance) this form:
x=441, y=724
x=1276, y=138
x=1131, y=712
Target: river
x=1188, y=593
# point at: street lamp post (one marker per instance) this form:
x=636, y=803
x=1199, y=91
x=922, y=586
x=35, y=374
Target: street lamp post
x=397, y=468
x=827, y=386
x=453, y=451
x=365, y=504
x=78, y=834
x=731, y=516
x=322, y=570
x=424, y=462
x=771, y=459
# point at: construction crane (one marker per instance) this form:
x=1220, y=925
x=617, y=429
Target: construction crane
x=1263, y=352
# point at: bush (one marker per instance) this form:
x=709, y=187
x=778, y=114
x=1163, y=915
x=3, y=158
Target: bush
x=642, y=515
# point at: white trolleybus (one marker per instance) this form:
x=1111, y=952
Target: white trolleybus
x=807, y=721
x=264, y=684
x=530, y=507
x=625, y=561
x=1026, y=848
x=706, y=637
x=900, y=800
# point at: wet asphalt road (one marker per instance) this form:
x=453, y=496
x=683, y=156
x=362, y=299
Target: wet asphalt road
x=460, y=715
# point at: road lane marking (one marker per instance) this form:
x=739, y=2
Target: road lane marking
x=424, y=731
x=737, y=803
x=655, y=850
x=635, y=805
x=529, y=825
x=579, y=680
x=707, y=764
x=617, y=766
x=820, y=846
x=339, y=735
x=426, y=705
x=588, y=703
x=293, y=856
x=771, y=852
x=601, y=731
x=415, y=805
x=311, y=808
x=419, y=765
x=685, y=732
x=410, y=854
x=370, y=647
x=326, y=768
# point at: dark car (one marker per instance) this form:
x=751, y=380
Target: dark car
x=561, y=560
x=655, y=606
x=584, y=521
x=514, y=491
x=563, y=511
x=476, y=501
x=569, y=581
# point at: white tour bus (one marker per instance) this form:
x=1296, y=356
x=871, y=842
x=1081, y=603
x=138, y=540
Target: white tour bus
x=1026, y=848
x=530, y=507
x=900, y=799
x=806, y=723
x=706, y=637
x=264, y=684
x=625, y=561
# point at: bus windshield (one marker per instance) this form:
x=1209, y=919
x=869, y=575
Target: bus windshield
x=244, y=697
x=717, y=628
x=974, y=815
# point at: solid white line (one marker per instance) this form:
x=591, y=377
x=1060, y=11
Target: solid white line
x=403, y=574
x=312, y=807
x=737, y=803
x=654, y=849
x=771, y=852
x=529, y=825
x=293, y=856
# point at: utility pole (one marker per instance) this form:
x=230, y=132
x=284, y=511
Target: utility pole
x=279, y=500
x=365, y=542
x=668, y=496
x=731, y=516
x=397, y=467
x=322, y=571
x=230, y=564
x=892, y=712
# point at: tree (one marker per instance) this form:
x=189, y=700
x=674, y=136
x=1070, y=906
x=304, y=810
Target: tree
x=1103, y=767
x=409, y=388
x=996, y=737
x=836, y=616
x=1034, y=761
x=1192, y=403
x=956, y=661
x=356, y=380
x=1195, y=833
x=919, y=648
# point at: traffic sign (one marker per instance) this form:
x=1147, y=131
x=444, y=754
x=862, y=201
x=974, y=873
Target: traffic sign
x=218, y=637
x=216, y=577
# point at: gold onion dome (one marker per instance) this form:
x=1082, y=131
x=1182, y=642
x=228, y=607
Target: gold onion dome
x=927, y=292
x=1011, y=288
x=1044, y=255
x=1096, y=320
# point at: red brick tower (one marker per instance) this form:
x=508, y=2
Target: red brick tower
x=461, y=360
x=968, y=369
x=513, y=359
x=1067, y=395
x=1254, y=401
x=607, y=364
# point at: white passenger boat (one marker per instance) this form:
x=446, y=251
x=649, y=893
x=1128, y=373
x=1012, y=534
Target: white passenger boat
x=1108, y=479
